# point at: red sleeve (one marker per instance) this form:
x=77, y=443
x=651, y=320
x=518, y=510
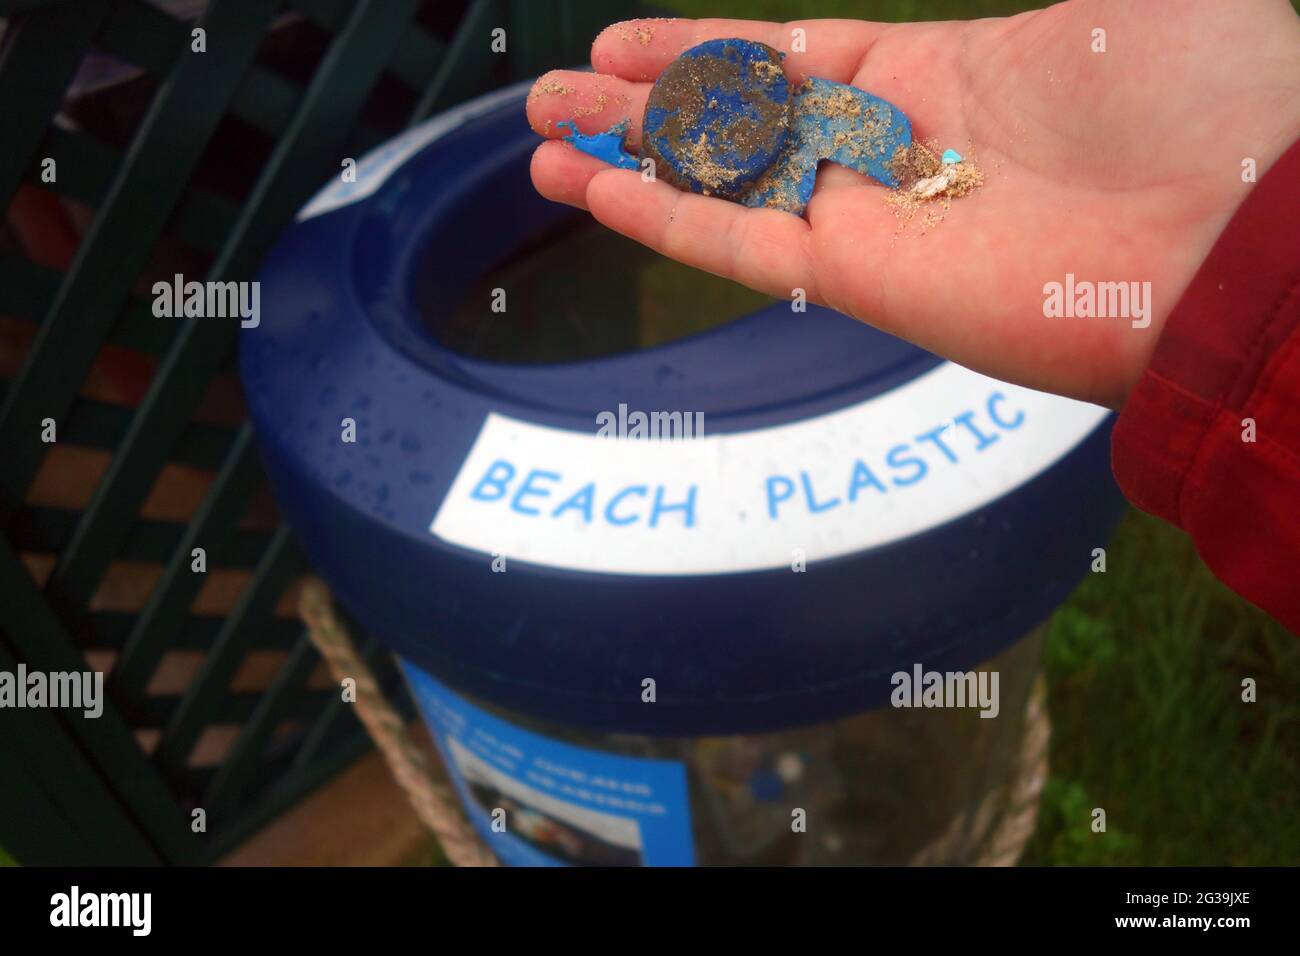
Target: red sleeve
x=1230, y=352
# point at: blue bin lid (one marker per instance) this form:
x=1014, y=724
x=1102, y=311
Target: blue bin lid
x=855, y=506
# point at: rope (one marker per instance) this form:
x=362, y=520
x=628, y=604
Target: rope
x=1003, y=844
x=1008, y=840
x=434, y=803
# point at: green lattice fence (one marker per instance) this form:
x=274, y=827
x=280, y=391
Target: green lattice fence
x=170, y=160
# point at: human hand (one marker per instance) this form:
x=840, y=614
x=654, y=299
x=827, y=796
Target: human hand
x=1115, y=166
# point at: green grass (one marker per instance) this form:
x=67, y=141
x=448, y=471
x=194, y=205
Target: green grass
x=1145, y=666
x=1144, y=663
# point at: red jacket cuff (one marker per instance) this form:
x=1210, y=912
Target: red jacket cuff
x=1210, y=437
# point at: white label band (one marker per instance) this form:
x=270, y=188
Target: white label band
x=938, y=447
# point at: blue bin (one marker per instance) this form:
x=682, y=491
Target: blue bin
x=666, y=651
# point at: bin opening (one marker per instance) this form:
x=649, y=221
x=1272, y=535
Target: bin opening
x=578, y=291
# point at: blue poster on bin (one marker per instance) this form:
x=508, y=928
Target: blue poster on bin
x=539, y=802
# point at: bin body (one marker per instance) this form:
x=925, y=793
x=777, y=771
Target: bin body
x=890, y=786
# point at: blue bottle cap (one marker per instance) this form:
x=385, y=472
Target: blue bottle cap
x=718, y=117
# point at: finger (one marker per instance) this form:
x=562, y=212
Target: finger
x=594, y=103
x=638, y=50
x=561, y=173
x=761, y=248
x=918, y=67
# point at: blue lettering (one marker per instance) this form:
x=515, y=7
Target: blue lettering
x=813, y=505
x=493, y=480
x=581, y=501
x=968, y=420
x=773, y=499
x=933, y=436
x=687, y=506
x=896, y=462
x=527, y=489
x=997, y=420
x=609, y=508
x=863, y=478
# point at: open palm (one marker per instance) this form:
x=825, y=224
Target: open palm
x=1121, y=165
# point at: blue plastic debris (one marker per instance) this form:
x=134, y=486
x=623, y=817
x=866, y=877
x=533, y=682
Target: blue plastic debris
x=607, y=146
x=840, y=123
x=723, y=120
x=766, y=785
x=951, y=157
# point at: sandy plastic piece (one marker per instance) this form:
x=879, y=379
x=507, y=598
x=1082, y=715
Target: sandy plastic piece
x=723, y=120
